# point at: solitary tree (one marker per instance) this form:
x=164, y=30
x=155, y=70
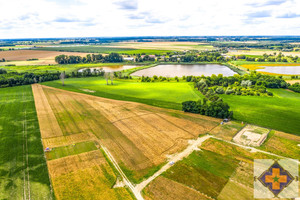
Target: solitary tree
x=62, y=77
x=111, y=78
x=106, y=76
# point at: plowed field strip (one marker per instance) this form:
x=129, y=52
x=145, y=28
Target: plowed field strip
x=48, y=124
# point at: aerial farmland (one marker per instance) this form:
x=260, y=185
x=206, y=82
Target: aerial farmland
x=140, y=100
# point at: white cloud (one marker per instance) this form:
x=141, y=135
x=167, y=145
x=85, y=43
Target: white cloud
x=92, y=18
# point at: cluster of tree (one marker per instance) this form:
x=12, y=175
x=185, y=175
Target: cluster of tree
x=268, y=58
x=295, y=87
x=257, y=79
x=87, y=73
x=2, y=60
x=157, y=79
x=245, y=89
x=120, y=75
x=13, y=78
x=217, y=108
x=140, y=58
x=205, y=56
x=94, y=58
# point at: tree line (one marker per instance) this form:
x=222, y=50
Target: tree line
x=9, y=79
x=268, y=58
x=94, y=58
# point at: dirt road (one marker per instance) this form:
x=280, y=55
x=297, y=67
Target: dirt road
x=192, y=146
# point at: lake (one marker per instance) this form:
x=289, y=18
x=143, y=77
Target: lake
x=291, y=70
x=112, y=68
x=185, y=70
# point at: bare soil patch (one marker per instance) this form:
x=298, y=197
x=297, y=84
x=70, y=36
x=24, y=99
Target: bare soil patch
x=21, y=55
x=251, y=135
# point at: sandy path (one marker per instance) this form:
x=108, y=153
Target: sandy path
x=177, y=157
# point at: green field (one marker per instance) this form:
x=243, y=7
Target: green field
x=203, y=171
x=60, y=152
x=23, y=166
x=100, y=49
x=281, y=112
x=161, y=94
x=54, y=68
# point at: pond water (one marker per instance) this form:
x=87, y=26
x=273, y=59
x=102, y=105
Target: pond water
x=112, y=68
x=185, y=70
x=291, y=70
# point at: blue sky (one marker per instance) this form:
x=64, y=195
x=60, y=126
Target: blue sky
x=92, y=18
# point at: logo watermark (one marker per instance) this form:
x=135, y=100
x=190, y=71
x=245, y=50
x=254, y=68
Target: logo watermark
x=276, y=178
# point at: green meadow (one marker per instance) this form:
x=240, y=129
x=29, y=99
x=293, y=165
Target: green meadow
x=203, y=171
x=23, y=168
x=280, y=112
x=161, y=94
x=68, y=68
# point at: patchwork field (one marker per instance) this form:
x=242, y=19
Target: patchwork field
x=218, y=171
x=138, y=136
x=23, y=167
x=44, y=57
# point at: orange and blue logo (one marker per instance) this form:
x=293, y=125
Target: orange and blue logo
x=276, y=178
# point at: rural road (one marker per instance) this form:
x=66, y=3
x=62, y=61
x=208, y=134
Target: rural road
x=193, y=145
x=136, y=193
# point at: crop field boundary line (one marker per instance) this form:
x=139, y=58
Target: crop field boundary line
x=136, y=193
x=186, y=152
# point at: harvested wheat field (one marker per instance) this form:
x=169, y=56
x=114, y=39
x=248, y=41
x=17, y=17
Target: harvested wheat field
x=166, y=189
x=45, y=57
x=139, y=136
x=85, y=176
